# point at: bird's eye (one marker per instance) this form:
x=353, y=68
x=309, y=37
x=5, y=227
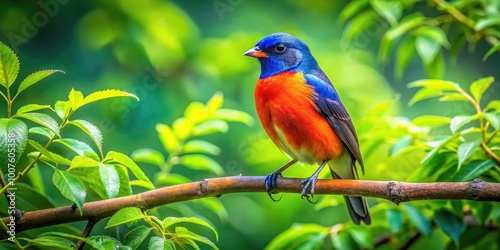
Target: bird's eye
x=280, y=48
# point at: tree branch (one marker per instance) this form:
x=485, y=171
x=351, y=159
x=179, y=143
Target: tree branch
x=394, y=191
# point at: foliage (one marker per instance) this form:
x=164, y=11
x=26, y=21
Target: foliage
x=402, y=23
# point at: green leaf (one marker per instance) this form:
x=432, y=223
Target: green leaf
x=136, y=236
x=408, y=23
x=75, y=98
x=79, y=147
x=473, y=169
x=70, y=187
x=431, y=121
x=459, y=121
x=215, y=102
x=401, y=144
x=453, y=97
x=107, y=242
x=343, y=240
x=42, y=119
x=418, y=219
x=32, y=107
x=40, y=148
x=391, y=11
x=183, y=232
x=91, y=130
x=148, y=155
x=296, y=233
x=433, y=33
x=233, y=115
x=50, y=157
x=42, y=131
x=170, y=221
x=196, y=112
x=124, y=160
x=28, y=198
x=395, y=219
x=404, y=55
x=13, y=139
x=110, y=179
x=182, y=128
x=478, y=87
x=451, y=225
x=430, y=88
x=491, y=51
x=9, y=66
x=353, y=29
x=482, y=211
x=362, y=236
x=62, y=109
x=51, y=242
x=125, y=215
x=352, y=8
x=487, y=22
x=34, y=78
x=435, y=69
x=82, y=162
x=201, y=162
x=159, y=243
x=200, y=146
x=493, y=118
x=105, y=94
x=71, y=236
x=167, y=137
x=493, y=104
x=215, y=206
x=211, y=127
x=465, y=150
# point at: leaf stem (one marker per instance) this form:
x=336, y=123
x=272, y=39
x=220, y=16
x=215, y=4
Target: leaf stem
x=16, y=242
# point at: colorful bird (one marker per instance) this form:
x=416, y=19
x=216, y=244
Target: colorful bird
x=303, y=115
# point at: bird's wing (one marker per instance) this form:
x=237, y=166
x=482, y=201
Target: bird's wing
x=333, y=110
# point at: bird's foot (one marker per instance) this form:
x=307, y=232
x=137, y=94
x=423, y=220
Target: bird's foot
x=271, y=184
x=308, y=190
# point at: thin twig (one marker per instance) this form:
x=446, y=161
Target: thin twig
x=86, y=232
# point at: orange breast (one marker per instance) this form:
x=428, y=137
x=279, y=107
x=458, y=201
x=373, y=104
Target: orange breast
x=285, y=106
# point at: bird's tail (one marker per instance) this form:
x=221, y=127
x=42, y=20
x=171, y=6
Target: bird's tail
x=358, y=210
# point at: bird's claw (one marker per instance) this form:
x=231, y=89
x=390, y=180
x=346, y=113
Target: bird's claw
x=308, y=190
x=271, y=183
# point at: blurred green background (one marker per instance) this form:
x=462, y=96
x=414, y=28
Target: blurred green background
x=170, y=53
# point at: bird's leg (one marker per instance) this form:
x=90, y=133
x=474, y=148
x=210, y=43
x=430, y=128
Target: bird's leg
x=272, y=177
x=310, y=182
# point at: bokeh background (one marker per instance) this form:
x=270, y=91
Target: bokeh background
x=170, y=53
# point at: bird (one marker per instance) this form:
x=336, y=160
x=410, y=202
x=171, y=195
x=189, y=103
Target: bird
x=303, y=115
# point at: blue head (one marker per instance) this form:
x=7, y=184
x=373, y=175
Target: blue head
x=281, y=52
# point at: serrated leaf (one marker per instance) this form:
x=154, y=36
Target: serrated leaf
x=473, y=169
x=418, y=219
x=107, y=242
x=491, y=51
x=232, y=115
x=110, y=179
x=82, y=162
x=51, y=242
x=79, y=147
x=451, y=225
x=148, y=155
x=62, y=109
x=13, y=139
x=9, y=66
x=42, y=131
x=200, y=146
x=215, y=102
x=183, y=232
x=124, y=160
x=71, y=236
x=167, y=137
x=34, y=78
x=210, y=127
x=50, y=157
x=408, y=23
x=125, y=215
x=32, y=107
x=70, y=187
x=159, y=243
x=431, y=120
x=493, y=118
x=170, y=221
x=136, y=236
x=42, y=119
x=201, y=162
x=40, y=148
x=182, y=128
x=105, y=94
x=395, y=219
x=75, y=98
x=478, y=87
x=91, y=130
x=465, y=150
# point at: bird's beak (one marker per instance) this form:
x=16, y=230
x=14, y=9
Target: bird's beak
x=256, y=52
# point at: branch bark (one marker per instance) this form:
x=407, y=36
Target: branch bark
x=394, y=191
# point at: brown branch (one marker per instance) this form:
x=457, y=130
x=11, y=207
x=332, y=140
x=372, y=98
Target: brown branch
x=394, y=191
x=86, y=232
